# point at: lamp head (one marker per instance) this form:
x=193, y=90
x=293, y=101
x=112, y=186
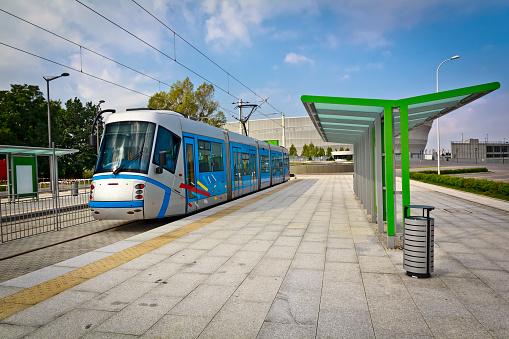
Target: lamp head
x=455, y=57
x=64, y=74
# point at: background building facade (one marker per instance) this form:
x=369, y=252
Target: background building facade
x=473, y=150
x=299, y=131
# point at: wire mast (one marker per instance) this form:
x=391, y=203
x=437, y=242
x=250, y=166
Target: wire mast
x=243, y=121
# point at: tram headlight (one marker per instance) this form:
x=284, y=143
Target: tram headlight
x=139, y=196
x=139, y=186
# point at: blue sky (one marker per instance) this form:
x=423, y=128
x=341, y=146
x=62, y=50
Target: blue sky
x=279, y=49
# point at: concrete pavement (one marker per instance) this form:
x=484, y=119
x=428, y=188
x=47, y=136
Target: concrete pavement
x=301, y=262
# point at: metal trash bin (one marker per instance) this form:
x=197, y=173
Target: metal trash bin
x=74, y=188
x=418, y=253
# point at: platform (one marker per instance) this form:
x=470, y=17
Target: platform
x=299, y=260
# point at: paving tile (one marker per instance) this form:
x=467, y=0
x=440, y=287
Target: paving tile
x=8, y=331
x=205, y=264
x=179, y=284
x=281, y=252
x=272, y=330
x=143, y=262
x=310, y=261
x=107, y=280
x=272, y=267
x=204, y=301
x=120, y=296
x=178, y=326
x=338, y=272
x=83, y=259
x=186, y=256
x=344, y=324
x=454, y=327
x=73, y=324
x=8, y=290
x=50, y=309
x=295, y=307
x=341, y=255
x=346, y=295
x=492, y=317
x=258, y=288
x=37, y=277
x=237, y=320
x=438, y=302
x=229, y=274
x=139, y=316
x=302, y=279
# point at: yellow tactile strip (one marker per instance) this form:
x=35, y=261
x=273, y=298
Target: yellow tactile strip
x=28, y=297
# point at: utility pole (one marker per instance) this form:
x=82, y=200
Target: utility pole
x=240, y=116
x=283, y=124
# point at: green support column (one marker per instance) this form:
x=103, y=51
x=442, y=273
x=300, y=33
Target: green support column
x=389, y=177
x=405, y=157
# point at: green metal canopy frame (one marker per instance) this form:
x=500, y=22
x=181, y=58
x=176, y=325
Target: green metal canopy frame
x=371, y=125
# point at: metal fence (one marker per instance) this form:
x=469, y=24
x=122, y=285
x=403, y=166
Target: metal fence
x=23, y=217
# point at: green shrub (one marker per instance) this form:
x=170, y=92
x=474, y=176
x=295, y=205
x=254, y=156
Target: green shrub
x=481, y=186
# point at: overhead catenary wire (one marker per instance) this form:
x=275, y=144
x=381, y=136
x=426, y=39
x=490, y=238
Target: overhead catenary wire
x=196, y=49
x=131, y=68
x=156, y=49
x=85, y=48
x=74, y=69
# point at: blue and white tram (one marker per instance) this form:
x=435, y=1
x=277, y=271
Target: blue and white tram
x=154, y=164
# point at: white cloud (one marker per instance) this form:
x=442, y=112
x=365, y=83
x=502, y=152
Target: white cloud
x=345, y=77
x=296, y=59
x=236, y=21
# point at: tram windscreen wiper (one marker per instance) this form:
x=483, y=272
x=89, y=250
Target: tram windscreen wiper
x=136, y=157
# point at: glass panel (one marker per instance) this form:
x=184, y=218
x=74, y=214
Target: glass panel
x=235, y=176
x=245, y=164
x=170, y=143
x=204, y=156
x=217, y=156
x=126, y=147
x=239, y=167
x=190, y=169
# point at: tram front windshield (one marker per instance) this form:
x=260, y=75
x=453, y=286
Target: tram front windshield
x=126, y=147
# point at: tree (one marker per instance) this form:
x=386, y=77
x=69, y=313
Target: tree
x=305, y=151
x=311, y=150
x=73, y=125
x=320, y=152
x=183, y=98
x=24, y=117
x=293, y=151
x=341, y=149
x=329, y=151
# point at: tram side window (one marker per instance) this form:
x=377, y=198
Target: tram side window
x=217, y=156
x=170, y=143
x=264, y=159
x=204, y=156
x=245, y=164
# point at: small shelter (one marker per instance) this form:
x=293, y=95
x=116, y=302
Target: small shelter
x=371, y=125
x=21, y=168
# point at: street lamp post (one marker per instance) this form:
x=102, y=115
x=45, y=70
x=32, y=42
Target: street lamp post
x=51, y=165
x=97, y=128
x=438, y=122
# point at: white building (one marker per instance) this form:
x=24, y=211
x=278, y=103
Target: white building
x=300, y=131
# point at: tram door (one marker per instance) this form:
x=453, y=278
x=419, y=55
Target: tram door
x=237, y=170
x=254, y=177
x=190, y=174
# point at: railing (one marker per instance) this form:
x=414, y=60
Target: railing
x=23, y=217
